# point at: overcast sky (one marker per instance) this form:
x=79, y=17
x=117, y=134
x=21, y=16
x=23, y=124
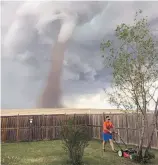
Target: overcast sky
x=26, y=51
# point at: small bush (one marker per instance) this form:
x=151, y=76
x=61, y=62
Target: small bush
x=75, y=139
x=145, y=159
x=148, y=156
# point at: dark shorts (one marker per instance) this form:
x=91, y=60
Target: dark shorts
x=107, y=136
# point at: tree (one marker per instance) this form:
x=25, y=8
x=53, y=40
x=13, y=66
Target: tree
x=133, y=59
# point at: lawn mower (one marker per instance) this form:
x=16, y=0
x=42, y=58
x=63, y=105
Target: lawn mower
x=128, y=152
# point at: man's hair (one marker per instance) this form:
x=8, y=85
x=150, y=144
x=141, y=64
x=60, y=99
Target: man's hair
x=107, y=117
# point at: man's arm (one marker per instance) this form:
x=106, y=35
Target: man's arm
x=113, y=128
x=105, y=129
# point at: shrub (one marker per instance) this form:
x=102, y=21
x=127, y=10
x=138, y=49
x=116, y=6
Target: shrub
x=75, y=139
x=145, y=159
x=148, y=156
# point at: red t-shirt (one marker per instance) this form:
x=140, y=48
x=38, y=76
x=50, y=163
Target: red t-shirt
x=107, y=125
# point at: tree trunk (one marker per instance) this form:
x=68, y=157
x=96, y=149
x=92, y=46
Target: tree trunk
x=140, y=153
x=150, y=141
x=137, y=127
x=154, y=123
x=141, y=144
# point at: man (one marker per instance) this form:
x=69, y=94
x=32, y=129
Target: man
x=107, y=133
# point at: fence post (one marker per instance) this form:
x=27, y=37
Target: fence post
x=74, y=120
x=103, y=116
x=118, y=125
x=98, y=128
x=30, y=128
x=43, y=120
x=127, y=129
x=89, y=124
x=103, y=120
x=89, y=117
x=53, y=128
x=46, y=126
x=85, y=119
x=17, y=129
x=4, y=131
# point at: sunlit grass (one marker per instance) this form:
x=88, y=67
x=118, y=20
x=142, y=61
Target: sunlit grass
x=52, y=153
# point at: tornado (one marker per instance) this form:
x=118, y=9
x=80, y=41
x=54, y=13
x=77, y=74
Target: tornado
x=51, y=96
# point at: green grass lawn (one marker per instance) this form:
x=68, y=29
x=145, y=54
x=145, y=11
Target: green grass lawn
x=51, y=153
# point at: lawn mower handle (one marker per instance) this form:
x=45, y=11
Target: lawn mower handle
x=120, y=138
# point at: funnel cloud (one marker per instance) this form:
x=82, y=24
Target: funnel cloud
x=52, y=93
x=68, y=18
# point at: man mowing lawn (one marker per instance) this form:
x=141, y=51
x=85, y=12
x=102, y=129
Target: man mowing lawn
x=107, y=133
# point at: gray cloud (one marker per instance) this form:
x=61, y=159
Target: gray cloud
x=26, y=57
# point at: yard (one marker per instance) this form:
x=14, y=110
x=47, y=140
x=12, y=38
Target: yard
x=52, y=153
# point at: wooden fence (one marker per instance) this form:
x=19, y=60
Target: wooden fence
x=36, y=127
x=128, y=127
x=47, y=127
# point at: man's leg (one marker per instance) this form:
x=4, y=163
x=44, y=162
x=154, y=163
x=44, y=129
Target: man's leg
x=103, y=141
x=104, y=145
x=111, y=144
